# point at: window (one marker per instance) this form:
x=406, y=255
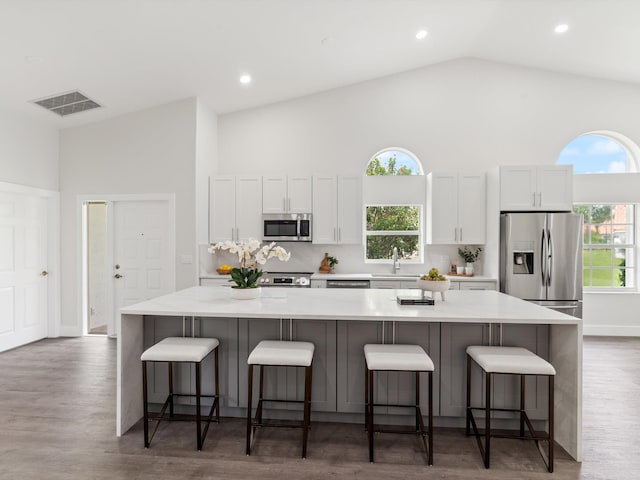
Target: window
x=600, y=152
x=392, y=220
x=609, y=245
x=393, y=226
x=393, y=161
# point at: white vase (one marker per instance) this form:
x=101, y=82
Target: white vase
x=468, y=270
x=245, y=293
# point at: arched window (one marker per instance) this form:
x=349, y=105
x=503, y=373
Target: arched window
x=392, y=223
x=609, y=228
x=394, y=161
x=600, y=152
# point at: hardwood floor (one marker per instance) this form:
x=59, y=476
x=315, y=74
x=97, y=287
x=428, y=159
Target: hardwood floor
x=57, y=421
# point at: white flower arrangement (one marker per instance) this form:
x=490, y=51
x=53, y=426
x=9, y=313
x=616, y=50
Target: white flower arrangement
x=250, y=255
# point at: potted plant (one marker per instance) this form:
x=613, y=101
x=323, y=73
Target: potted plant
x=250, y=255
x=327, y=263
x=469, y=255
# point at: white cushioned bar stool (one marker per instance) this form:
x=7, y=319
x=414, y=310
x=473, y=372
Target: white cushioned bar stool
x=189, y=350
x=272, y=353
x=510, y=361
x=398, y=358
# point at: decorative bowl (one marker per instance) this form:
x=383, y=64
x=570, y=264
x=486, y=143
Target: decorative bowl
x=223, y=271
x=434, y=286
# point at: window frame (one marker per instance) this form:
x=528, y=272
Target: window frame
x=630, y=271
x=418, y=233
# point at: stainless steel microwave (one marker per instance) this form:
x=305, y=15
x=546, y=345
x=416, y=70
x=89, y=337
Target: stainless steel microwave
x=286, y=227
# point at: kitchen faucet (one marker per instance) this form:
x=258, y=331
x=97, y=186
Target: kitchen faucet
x=396, y=261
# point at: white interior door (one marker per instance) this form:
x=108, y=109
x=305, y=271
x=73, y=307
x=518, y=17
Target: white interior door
x=144, y=257
x=23, y=269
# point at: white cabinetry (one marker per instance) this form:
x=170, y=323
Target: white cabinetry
x=456, y=208
x=530, y=188
x=286, y=194
x=235, y=208
x=337, y=212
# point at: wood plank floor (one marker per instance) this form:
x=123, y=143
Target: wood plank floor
x=57, y=421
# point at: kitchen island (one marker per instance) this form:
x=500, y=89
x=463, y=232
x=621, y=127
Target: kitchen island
x=339, y=322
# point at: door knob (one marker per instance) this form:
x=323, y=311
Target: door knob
x=44, y=273
x=117, y=275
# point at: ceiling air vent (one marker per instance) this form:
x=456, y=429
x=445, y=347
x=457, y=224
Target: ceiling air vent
x=67, y=103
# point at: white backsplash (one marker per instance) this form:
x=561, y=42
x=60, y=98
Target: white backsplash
x=306, y=257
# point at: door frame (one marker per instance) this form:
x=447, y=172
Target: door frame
x=52, y=199
x=110, y=200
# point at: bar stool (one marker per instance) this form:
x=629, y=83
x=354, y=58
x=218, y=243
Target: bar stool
x=181, y=349
x=283, y=354
x=399, y=358
x=510, y=361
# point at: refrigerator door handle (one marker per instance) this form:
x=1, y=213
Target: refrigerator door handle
x=542, y=260
x=549, y=258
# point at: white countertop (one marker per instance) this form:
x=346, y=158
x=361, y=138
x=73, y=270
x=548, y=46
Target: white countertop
x=373, y=276
x=486, y=306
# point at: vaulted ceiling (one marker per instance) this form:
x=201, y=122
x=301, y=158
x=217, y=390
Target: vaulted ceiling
x=133, y=54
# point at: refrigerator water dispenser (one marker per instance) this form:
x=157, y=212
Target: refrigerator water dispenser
x=523, y=263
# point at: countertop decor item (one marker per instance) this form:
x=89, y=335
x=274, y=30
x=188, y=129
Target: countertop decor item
x=250, y=256
x=469, y=254
x=327, y=264
x=434, y=282
x=224, y=269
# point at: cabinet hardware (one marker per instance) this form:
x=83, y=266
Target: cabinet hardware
x=117, y=275
x=460, y=233
x=44, y=273
x=534, y=199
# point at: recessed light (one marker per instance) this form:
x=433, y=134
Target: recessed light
x=562, y=28
x=421, y=34
x=245, y=79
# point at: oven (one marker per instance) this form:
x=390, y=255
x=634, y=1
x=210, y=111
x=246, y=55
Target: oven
x=285, y=279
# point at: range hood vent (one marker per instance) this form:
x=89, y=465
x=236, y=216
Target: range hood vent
x=67, y=103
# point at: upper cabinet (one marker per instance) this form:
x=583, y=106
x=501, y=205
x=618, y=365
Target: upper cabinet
x=337, y=213
x=536, y=188
x=456, y=208
x=286, y=194
x=235, y=208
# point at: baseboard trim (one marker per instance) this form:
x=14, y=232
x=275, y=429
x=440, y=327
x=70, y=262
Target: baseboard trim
x=611, y=330
x=69, y=331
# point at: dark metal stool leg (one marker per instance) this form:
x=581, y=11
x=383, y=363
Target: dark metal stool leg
x=217, y=394
x=145, y=405
x=371, y=402
x=467, y=424
x=198, y=413
x=249, y=401
x=260, y=397
x=430, y=418
x=170, y=368
x=551, y=420
x=487, y=410
x=522, y=397
x=417, y=401
x=366, y=398
x=307, y=409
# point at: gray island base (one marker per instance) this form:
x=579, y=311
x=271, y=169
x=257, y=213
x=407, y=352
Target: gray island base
x=339, y=323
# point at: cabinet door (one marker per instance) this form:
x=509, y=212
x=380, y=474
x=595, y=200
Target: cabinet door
x=299, y=198
x=325, y=209
x=477, y=285
x=455, y=338
x=555, y=187
x=387, y=284
x=442, y=208
x=472, y=212
x=352, y=337
x=248, y=208
x=222, y=208
x=274, y=194
x=350, y=214
x=518, y=188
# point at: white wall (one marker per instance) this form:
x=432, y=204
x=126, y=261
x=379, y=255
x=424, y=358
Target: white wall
x=463, y=114
x=206, y=165
x=28, y=152
x=151, y=151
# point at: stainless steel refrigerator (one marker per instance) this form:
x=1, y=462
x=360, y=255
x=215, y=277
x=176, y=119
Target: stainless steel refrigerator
x=541, y=259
